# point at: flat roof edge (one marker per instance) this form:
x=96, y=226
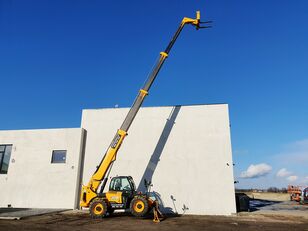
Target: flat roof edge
x=179, y=105
x=37, y=129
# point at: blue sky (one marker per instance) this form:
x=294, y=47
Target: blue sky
x=58, y=57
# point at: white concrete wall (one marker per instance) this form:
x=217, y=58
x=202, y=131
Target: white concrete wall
x=32, y=180
x=188, y=158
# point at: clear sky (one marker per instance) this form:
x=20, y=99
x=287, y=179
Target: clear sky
x=58, y=57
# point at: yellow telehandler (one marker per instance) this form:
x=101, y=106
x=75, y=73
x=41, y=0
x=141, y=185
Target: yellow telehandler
x=122, y=192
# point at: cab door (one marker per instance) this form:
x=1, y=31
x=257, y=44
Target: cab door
x=128, y=192
x=124, y=186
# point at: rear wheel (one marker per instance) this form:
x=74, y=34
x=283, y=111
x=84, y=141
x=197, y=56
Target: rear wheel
x=98, y=208
x=139, y=206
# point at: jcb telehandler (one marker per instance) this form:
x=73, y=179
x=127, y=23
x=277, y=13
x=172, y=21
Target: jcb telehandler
x=122, y=192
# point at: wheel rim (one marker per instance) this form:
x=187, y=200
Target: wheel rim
x=98, y=209
x=139, y=206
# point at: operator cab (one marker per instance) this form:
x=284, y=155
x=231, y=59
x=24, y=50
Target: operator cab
x=122, y=190
x=122, y=183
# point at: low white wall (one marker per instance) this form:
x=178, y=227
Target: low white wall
x=32, y=180
x=185, y=152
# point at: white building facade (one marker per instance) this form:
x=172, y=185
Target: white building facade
x=185, y=151
x=35, y=177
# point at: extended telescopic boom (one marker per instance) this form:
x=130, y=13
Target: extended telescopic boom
x=90, y=190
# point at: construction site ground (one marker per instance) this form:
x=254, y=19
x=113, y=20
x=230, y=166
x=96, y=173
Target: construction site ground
x=268, y=212
x=69, y=221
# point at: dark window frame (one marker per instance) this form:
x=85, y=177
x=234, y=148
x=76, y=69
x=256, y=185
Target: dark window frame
x=2, y=157
x=53, y=159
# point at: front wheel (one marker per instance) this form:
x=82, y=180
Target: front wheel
x=98, y=208
x=139, y=206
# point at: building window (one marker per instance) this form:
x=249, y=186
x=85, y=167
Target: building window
x=5, y=155
x=58, y=156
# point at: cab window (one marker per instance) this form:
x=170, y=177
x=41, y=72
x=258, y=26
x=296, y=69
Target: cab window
x=120, y=184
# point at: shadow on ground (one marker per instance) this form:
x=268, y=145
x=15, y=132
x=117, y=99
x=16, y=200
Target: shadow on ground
x=149, y=216
x=258, y=204
x=18, y=213
x=11, y=210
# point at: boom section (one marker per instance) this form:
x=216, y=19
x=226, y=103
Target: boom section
x=90, y=191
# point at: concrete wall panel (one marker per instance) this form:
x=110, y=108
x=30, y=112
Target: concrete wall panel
x=185, y=152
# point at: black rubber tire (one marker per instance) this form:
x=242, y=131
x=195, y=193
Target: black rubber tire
x=98, y=208
x=139, y=206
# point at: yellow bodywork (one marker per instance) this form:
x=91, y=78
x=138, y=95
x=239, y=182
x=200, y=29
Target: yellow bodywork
x=194, y=21
x=164, y=54
x=114, y=197
x=88, y=192
x=143, y=92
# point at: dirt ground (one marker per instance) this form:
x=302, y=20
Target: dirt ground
x=72, y=220
x=268, y=212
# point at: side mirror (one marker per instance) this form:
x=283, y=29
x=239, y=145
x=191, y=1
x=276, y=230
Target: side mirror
x=147, y=183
